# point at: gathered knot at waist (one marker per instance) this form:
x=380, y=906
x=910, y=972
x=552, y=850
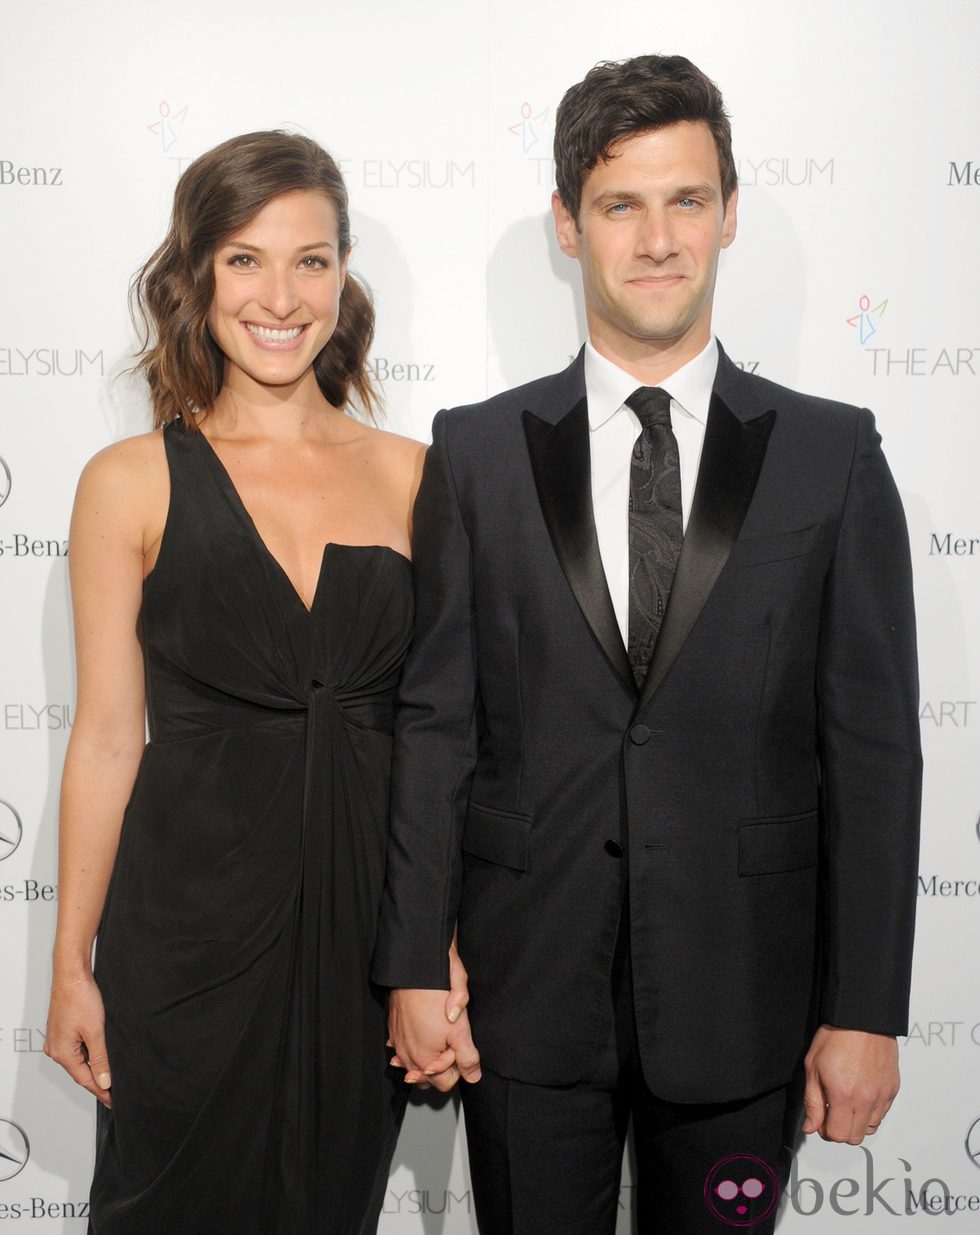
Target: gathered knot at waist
x=366, y=711
x=179, y=715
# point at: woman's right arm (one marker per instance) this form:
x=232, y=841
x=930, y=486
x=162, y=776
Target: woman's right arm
x=106, y=560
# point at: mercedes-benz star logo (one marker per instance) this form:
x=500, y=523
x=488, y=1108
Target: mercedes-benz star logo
x=5, y=481
x=973, y=1143
x=15, y=1149
x=11, y=830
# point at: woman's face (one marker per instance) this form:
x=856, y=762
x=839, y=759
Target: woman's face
x=277, y=285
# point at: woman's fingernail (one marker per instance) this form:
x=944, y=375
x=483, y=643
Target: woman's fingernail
x=104, y=1080
x=454, y=1015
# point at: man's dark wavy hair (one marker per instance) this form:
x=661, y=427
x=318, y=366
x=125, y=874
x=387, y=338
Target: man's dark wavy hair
x=621, y=98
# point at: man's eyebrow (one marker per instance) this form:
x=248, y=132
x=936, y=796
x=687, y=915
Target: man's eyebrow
x=702, y=189
x=617, y=195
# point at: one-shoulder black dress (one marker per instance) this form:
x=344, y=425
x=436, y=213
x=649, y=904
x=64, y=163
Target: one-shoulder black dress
x=251, y=1093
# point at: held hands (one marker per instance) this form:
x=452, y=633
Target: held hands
x=430, y=1032
x=75, y=1035
x=851, y=1082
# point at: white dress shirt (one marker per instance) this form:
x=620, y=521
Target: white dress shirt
x=613, y=430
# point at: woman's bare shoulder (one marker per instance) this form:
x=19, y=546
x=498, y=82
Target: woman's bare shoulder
x=132, y=462
x=127, y=481
x=402, y=454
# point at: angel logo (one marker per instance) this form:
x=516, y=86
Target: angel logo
x=973, y=1143
x=167, y=127
x=11, y=830
x=15, y=1149
x=863, y=320
x=5, y=480
x=741, y=1190
x=527, y=127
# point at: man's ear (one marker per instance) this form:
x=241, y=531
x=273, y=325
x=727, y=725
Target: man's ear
x=729, y=223
x=565, y=228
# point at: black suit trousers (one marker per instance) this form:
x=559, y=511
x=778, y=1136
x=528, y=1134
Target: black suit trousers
x=547, y=1159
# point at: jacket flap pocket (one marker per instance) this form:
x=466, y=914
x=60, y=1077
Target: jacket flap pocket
x=758, y=549
x=768, y=846
x=497, y=837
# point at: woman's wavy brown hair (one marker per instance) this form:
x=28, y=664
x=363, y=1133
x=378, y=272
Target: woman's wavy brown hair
x=218, y=194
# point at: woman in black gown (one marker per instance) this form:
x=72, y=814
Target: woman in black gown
x=248, y=562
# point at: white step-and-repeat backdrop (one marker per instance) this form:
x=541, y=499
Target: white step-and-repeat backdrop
x=854, y=275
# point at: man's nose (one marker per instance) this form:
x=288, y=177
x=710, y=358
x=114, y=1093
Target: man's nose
x=657, y=238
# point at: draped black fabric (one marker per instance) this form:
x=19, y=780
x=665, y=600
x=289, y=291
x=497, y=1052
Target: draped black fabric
x=655, y=523
x=251, y=1093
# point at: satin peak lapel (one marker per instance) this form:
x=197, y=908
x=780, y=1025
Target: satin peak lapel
x=562, y=471
x=731, y=459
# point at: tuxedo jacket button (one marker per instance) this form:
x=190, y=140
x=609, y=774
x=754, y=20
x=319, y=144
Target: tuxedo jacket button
x=614, y=848
x=639, y=734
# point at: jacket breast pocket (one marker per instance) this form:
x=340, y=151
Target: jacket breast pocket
x=756, y=550
x=770, y=846
x=497, y=836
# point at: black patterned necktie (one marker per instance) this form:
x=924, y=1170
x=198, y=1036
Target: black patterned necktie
x=655, y=523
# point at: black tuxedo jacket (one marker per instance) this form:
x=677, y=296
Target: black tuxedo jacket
x=763, y=788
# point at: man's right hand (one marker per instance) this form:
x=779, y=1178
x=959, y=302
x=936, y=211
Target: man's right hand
x=431, y=1048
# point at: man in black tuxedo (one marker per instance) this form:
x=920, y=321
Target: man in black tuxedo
x=656, y=757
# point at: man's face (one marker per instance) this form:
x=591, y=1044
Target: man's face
x=651, y=225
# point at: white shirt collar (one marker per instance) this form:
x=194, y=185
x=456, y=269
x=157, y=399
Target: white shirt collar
x=607, y=386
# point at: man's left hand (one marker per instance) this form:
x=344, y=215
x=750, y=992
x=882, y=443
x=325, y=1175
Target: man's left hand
x=460, y=1058
x=851, y=1082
